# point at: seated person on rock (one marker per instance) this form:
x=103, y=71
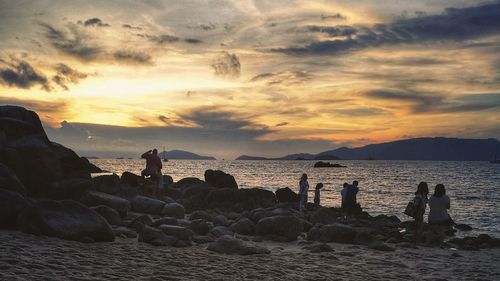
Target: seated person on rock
x=439, y=203
x=153, y=165
x=317, y=195
x=350, y=204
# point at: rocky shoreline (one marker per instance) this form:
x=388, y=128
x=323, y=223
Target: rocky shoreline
x=47, y=190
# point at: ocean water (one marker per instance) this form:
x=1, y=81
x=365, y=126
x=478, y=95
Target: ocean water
x=385, y=186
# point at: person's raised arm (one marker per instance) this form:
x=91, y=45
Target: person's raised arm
x=145, y=154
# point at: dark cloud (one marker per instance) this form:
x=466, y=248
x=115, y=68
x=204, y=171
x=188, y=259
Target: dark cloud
x=73, y=42
x=281, y=124
x=207, y=26
x=421, y=102
x=452, y=25
x=67, y=75
x=214, y=118
x=161, y=39
x=471, y=102
x=134, y=57
x=131, y=27
x=361, y=111
x=94, y=22
x=334, y=16
x=333, y=31
x=226, y=64
x=284, y=78
x=21, y=74
x=193, y=41
x=164, y=119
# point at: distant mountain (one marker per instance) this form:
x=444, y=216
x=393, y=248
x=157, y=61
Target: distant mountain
x=434, y=149
x=437, y=149
x=185, y=155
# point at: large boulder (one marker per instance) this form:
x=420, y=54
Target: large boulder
x=108, y=213
x=72, y=189
x=284, y=195
x=17, y=122
x=140, y=222
x=11, y=205
x=156, y=237
x=175, y=210
x=325, y=216
x=219, y=179
x=130, y=179
x=179, y=232
x=65, y=219
x=337, y=232
x=9, y=180
x=109, y=184
x=94, y=198
x=201, y=215
x=143, y=204
x=260, y=213
x=284, y=228
x=188, y=182
x=233, y=246
x=91, y=167
x=243, y=226
x=199, y=226
x=238, y=199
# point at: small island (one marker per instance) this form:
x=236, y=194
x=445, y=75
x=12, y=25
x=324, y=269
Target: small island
x=322, y=164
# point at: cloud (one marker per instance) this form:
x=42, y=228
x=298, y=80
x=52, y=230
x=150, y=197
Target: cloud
x=226, y=64
x=284, y=78
x=67, y=75
x=361, y=111
x=21, y=74
x=164, y=119
x=160, y=39
x=193, y=41
x=134, y=57
x=214, y=118
x=41, y=107
x=334, y=16
x=94, y=22
x=281, y=124
x=471, y=102
x=73, y=42
x=131, y=27
x=454, y=24
x=334, y=31
x=421, y=102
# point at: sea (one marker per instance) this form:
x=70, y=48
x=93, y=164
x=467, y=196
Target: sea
x=385, y=187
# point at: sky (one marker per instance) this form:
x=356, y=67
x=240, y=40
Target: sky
x=268, y=78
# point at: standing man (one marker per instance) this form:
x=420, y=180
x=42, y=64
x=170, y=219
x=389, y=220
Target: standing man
x=153, y=166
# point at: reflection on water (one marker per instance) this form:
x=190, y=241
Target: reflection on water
x=385, y=186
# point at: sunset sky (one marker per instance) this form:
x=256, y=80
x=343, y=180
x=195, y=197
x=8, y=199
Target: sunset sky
x=268, y=78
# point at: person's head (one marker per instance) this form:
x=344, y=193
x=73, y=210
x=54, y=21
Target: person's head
x=422, y=189
x=355, y=183
x=439, y=190
x=346, y=185
x=319, y=186
x=155, y=151
x=304, y=177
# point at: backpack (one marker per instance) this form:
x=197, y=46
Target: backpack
x=412, y=208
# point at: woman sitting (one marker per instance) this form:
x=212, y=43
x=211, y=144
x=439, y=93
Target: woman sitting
x=439, y=203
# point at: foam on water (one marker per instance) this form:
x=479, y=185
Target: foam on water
x=385, y=186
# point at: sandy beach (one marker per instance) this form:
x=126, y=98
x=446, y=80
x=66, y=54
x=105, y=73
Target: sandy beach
x=28, y=257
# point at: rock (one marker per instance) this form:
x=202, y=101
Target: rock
x=130, y=179
x=337, y=232
x=142, y=204
x=464, y=227
x=220, y=220
x=11, y=205
x=165, y=220
x=286, y=195
x=258, y=214
x=167, y=199
x=286, y=227
x=219, y=179
x=94, y=198
x=108, y=213
x=243, y=226
x=172, y=193
x=140, y=222
x=319, y=248
x=322, y=164
x=167, y=180
x=179, y=232
x=200, y=226
x=232, y=246
x=72, y=189
x=17, y=122
x=109, y=184
x=91, y=167
x=203, y=239
x=156, y=237
x=186, y=183
x=325, y=216
x=365, y=235
x=175, y=210
x=124, y=232
x=380, y=246
x=200, y=215
x=9, y=180
x=219, y=231
x=65, y=219
x=239, y=199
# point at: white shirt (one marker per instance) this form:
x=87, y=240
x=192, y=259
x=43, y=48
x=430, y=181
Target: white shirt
x=438, y=208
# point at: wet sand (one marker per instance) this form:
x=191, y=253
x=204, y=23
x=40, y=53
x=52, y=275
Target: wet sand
x=28, y=257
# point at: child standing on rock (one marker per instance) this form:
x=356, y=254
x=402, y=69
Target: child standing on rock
x=317, y=194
